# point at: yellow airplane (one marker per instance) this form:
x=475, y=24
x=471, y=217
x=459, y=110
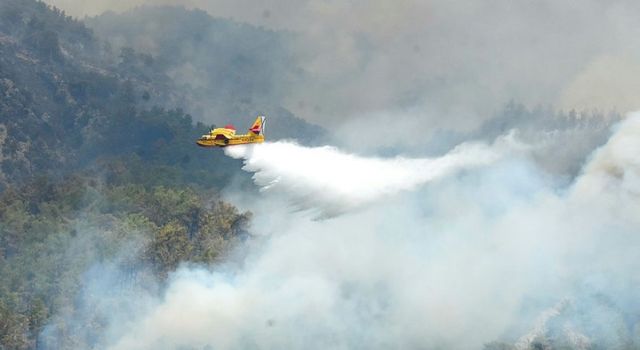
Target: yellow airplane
x=221, y=137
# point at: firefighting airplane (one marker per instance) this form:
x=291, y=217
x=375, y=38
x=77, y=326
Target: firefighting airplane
x=222, y=137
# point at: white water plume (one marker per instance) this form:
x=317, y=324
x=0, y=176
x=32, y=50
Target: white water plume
x=333, y=182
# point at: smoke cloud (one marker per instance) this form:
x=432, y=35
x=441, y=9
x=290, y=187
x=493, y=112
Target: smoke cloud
x=499, y=252
x=333, y=182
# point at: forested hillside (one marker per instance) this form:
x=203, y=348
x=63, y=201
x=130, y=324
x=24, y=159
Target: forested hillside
x=97, y=157
x=568, y=135
x=62, y=110
x=52, y=233
x=219, y=69
x=70, y=98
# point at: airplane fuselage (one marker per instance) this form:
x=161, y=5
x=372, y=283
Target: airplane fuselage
x=235, y=140
x=222, y=137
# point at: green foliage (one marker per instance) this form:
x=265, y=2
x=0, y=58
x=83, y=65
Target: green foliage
x=52, y=232
x=169, y=247
x=66, y=106
x=13, y=329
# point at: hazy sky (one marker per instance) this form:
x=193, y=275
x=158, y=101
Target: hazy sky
x=442, y=63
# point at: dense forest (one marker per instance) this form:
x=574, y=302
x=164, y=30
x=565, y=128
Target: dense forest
x=70, y=99
x=53, y=232
x=97, y=157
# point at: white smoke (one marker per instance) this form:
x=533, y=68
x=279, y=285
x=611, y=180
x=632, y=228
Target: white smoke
x=333, y=182
x=498, y=252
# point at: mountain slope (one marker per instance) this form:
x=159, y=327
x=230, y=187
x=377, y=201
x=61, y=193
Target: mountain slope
x=222, y=70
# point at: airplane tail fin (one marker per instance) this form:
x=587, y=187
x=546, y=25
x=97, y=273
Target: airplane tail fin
x=258, y=126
